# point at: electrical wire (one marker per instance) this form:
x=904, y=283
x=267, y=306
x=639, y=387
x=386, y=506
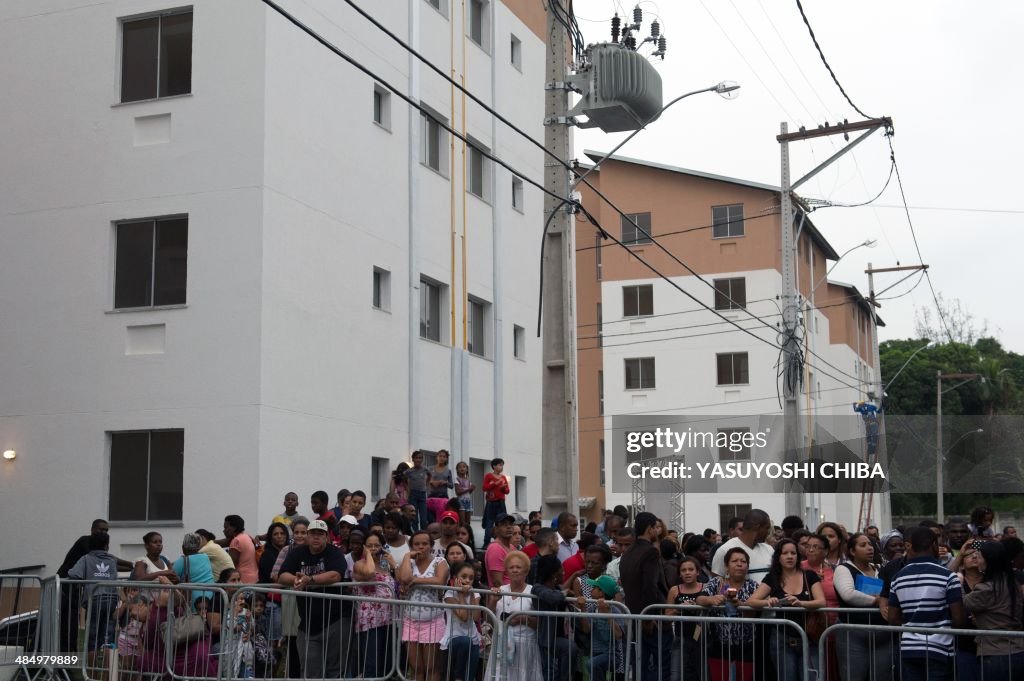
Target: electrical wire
x=816, y=204
x=825, y=61
x=687, y=230
x=917, y=247
x=408, y=100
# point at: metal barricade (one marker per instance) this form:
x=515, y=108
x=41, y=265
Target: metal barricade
x=873, y=652
x=333, y=632
x=20, y=597
x=151, y=630
x=745, y=643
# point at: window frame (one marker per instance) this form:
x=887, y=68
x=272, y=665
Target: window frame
x=518, y=342
x=641, y=373
x=441, y=6
x=160, y=15
x=484, y=7
x=729, y=222
x=384, y=119
x=381, y=298
x=478, y=168
x=478, y=316
x=431, y=129
x=153, y=269
x=518, y=194
x=729, y=300
x=645, y=453
x=428, y=285
x=635, y=237
x=733, y=368
x=638, y=289
x=516, y=52
x=114, y=517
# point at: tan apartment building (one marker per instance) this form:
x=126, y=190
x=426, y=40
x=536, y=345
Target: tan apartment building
x=644, y=347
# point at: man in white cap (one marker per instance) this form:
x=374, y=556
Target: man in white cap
x=314, y=567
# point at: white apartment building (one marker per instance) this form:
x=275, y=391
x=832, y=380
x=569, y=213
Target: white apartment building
x=647, y=348
x=237, y=266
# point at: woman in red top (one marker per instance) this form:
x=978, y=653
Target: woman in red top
x=495, y=490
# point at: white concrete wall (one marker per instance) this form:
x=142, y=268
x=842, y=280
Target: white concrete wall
x=278, y=368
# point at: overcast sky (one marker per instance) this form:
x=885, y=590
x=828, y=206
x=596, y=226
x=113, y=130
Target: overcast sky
x=946, y=73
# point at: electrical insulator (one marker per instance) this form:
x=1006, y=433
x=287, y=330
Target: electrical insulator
x=662, y=44
x=638, y=15
x=655, y=29
x=616, y=24
x=630, y=42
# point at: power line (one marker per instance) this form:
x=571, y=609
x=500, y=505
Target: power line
x=829, y=204
x=687, y=230
x=825, y=61
x=913, y=233
x=408, y=100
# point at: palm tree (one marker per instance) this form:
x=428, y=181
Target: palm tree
x=995, y=387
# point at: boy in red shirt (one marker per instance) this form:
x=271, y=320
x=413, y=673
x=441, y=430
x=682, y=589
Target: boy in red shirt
x=495, y=490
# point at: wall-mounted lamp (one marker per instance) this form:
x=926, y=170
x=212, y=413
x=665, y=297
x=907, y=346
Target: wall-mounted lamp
x=10, y=454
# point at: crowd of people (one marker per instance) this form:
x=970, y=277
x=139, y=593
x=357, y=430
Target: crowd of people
x=416, y=551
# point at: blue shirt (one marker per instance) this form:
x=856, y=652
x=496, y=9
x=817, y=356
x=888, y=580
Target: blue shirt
x=923, y=590
x=200, y=571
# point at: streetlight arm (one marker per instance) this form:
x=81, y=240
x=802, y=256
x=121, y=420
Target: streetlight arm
x=720, y=88
x=965, y=435
x=923, y=347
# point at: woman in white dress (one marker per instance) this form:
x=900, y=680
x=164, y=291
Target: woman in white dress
x=513, y=605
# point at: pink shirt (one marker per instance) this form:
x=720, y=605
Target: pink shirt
x=494, y=561
x=247, y=566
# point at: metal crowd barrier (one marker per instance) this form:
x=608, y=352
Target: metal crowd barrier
x=20, y=596
x=874, y=652
x=145, y=631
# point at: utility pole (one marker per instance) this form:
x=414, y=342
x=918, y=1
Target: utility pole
x=791, y=370
x=881, y=453
x=559, y=451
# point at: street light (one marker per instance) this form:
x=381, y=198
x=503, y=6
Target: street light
x=726, y=89
x=931, y=344
x=869, y=243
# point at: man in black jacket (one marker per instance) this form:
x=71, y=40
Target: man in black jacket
x=643, y=582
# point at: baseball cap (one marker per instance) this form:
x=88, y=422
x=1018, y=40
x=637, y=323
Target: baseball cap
x=502, y=517
x=350, y=519
x=315, y=525
x=606, y=583
x=450, y=515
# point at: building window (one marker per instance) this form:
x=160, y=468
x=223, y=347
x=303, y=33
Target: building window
x=600, y=392
x=730, y=294
x=517, y=193
x=810, y=383
x=517, y=53
x=440, y=5
x=381, y=289
x=146, y=475
x=381, y=107
x=640, y=373
x=476, y=324
x=636, y=229
x=727, y=512
x=151, y=262
x=727, y=221
x=156, y=56
x=479, y=22
x=600, y=454
x=518, y=342
x=733, y=368
x=645, y=453
x=637, y=301
x=434, y=152
x=600, y=326
x=430, y=309
x=522, y=503
x=380, y=477
x=598, y=243
x=734, y=447
x=479, y=169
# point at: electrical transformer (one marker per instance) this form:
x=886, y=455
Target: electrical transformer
x=621, y=89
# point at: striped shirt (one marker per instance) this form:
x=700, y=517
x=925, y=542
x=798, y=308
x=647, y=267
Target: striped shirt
x=923, y=591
